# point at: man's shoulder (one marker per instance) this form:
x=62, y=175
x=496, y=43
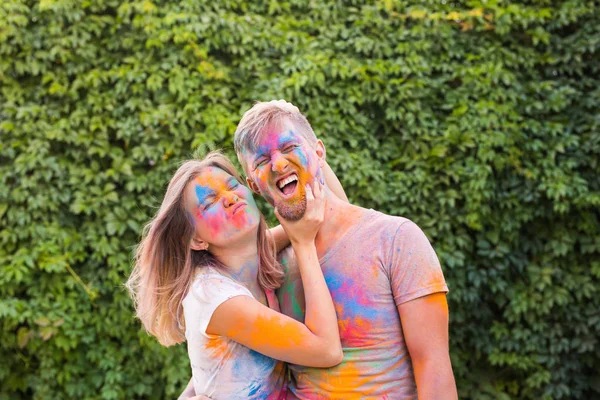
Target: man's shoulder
x=389, y=229
x=378, y=219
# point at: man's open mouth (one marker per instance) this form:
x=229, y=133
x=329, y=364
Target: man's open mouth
x=288, y=185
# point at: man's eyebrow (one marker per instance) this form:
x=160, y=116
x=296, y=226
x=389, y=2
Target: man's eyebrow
x=282, y=142
x=289, y=139
x=259, y=154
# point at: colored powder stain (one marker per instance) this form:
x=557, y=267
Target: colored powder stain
x=210, y=217
x=303, y=161
x=202, y=193
x=290, y=302
x=297, y=302
x=219, y=348
x=263, y=333
x=352, y=381
x=351, y=296
x=275, y=139
x=261, y=366
x=292, y=293
x=253, y=390
x=285, y=262
x=357, y=314
x=438, y=300
x=248, y=271
x=216, y=220
x=241, y=218
x=298, y=309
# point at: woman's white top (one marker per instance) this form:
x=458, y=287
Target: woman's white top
x=221, y=367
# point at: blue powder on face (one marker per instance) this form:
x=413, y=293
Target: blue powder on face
x=283, y=139
x=202, y=193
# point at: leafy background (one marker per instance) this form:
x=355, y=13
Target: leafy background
x=479, y=120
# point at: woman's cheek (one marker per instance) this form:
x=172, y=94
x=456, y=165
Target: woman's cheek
x=214, y=220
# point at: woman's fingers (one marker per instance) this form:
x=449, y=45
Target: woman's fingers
x=318, y=189
x=309, y=193
x=279, y=218
x=321, y=191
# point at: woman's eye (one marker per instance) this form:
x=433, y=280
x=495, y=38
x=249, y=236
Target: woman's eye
x=289, y=148
x=209, y=204
x=261, y=163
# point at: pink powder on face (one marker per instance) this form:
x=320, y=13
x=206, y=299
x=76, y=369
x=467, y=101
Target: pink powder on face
x=281, y=152
x=223, y=207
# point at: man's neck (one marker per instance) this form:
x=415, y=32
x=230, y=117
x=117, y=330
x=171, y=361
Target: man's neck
x=340, y=216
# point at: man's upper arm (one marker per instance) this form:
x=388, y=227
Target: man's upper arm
x=419, y=290
x=414, y=268
x=425, y=326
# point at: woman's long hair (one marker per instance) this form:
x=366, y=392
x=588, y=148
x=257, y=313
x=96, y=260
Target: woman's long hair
x=164, y=262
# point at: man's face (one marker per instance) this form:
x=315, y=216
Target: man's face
x=281, y=167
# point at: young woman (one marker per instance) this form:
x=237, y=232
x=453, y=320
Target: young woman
x=205, y=272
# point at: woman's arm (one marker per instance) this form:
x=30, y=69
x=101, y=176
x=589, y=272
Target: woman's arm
x=278, y=233
x=273, y=334
x=315, y=343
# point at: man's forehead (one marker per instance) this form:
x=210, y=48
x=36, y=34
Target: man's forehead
x=273, y=138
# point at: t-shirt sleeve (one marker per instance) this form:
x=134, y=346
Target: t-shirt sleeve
x=210, y=292
x=414, y=267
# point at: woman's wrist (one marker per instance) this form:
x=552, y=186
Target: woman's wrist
x=303, y=246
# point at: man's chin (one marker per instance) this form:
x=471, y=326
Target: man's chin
x=292, y=212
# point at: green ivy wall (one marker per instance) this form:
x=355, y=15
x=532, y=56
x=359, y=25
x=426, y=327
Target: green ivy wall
x=479, y=120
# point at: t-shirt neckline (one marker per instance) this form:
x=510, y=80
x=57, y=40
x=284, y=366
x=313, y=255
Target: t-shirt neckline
x=346, y=236
x=270, y=302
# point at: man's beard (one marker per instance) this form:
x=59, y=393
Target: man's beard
x=293, y=211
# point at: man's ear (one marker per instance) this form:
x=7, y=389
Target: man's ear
x=198, y=244
x=321, y=152
x=252, y=185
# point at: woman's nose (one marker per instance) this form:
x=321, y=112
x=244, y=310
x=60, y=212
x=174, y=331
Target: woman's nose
x=230, y=198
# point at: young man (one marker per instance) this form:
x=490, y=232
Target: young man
x=383, y=274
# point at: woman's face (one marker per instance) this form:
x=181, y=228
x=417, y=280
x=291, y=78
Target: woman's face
x=223, y=210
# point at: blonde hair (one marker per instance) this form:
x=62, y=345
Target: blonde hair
x=164, y=262
x=261, y=115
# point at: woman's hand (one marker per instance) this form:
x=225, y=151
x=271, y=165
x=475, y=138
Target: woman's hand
x=305, y=229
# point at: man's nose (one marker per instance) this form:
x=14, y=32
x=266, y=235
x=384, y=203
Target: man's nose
x=279, y=162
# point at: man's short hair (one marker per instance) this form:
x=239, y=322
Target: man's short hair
x=263, y=113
